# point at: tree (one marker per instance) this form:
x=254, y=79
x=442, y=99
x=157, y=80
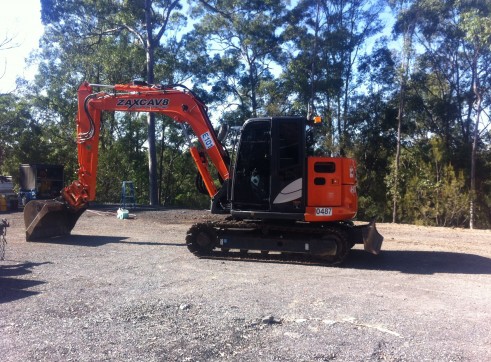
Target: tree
x=19, y=128
x=145, y=21
x=404, y=26
x=434, y=193
x=476, y=24
x=373, y=148
x=242, y=39
x=325, y=42
x=7, y=42
x=450, y=79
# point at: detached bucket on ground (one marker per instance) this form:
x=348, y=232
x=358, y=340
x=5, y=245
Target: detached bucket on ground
x=49, y=218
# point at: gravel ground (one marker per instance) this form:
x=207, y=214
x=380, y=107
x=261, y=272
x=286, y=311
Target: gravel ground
x=129, y=290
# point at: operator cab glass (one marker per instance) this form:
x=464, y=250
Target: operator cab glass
x=270, y=166
x=252, y=168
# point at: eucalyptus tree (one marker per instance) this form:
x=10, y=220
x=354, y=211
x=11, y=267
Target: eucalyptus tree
x=404, y=26
x=18, y=129
x=142, y=26
x=148, y=21
x=476, y=24
x=324, y=41
x=71, y=51
x=6, y=42
x=374, y=141
x=244, y=46
x=452, y=79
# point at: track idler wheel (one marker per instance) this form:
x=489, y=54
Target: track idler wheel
x=336, y=245
x=201, y=239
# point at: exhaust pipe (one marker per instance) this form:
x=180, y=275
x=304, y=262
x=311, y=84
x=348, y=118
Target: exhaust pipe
x=49, y=218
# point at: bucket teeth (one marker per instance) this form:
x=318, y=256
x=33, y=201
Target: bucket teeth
x=49, y=218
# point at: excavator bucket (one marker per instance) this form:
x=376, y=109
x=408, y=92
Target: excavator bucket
x=49, y=218
x=369, y=237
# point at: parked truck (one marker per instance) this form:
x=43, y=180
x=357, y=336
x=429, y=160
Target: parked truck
x=40, y=182
x=7, y=193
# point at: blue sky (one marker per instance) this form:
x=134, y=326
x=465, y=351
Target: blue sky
x=20, y=20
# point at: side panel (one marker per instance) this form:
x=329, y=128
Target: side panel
x=324, y=181
x=349, y=171
x=331, y=189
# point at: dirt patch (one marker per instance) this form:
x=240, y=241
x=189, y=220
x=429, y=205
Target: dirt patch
x=130, y=290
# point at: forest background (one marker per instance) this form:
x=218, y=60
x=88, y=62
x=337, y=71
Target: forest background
x=403, y=86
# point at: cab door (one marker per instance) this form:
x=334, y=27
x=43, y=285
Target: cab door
x=288, y=165
x=251, y=183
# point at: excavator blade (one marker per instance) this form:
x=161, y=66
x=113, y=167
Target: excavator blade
x=369, y=237
x=49, y=218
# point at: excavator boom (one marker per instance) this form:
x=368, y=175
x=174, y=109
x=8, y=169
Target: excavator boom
x=50, y=218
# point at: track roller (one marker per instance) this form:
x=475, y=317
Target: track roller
x=201, y=239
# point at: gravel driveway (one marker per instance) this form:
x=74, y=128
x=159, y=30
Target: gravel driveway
x=129, y=290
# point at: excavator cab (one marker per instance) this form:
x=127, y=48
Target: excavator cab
x=275, y=176
x=270, y=157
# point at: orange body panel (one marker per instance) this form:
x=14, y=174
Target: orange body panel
x=331, y=189
x=203, y=170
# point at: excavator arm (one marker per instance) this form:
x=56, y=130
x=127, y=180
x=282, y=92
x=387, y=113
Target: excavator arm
x=57, y=217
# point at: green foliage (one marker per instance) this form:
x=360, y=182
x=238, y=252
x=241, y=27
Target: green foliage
x=115, y=167
x=373, y=123
x=26, y=140
x=484, y=190
x=438, y=202
x=242, y=38
x=123, y=159
x=323, y=42
x=430, y=191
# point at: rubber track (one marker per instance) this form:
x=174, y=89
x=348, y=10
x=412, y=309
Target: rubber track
x=284, y=258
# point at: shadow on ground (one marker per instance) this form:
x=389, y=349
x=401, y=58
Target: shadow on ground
x=13, y=288
x=409, y=262
x=96, y=240
x=420, y=262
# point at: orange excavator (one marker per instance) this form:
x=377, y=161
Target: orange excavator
x=280, y=198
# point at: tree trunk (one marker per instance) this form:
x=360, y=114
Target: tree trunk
x=474, y=153
x=398, y=154
x=473, y=181
x=406, y=54
x=152, y=155
x=161, y=167
x=253, y=92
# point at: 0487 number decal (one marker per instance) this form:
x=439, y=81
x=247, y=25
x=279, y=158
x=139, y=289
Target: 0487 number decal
x=323, y=211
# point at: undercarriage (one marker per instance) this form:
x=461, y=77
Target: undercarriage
x=326, y=243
